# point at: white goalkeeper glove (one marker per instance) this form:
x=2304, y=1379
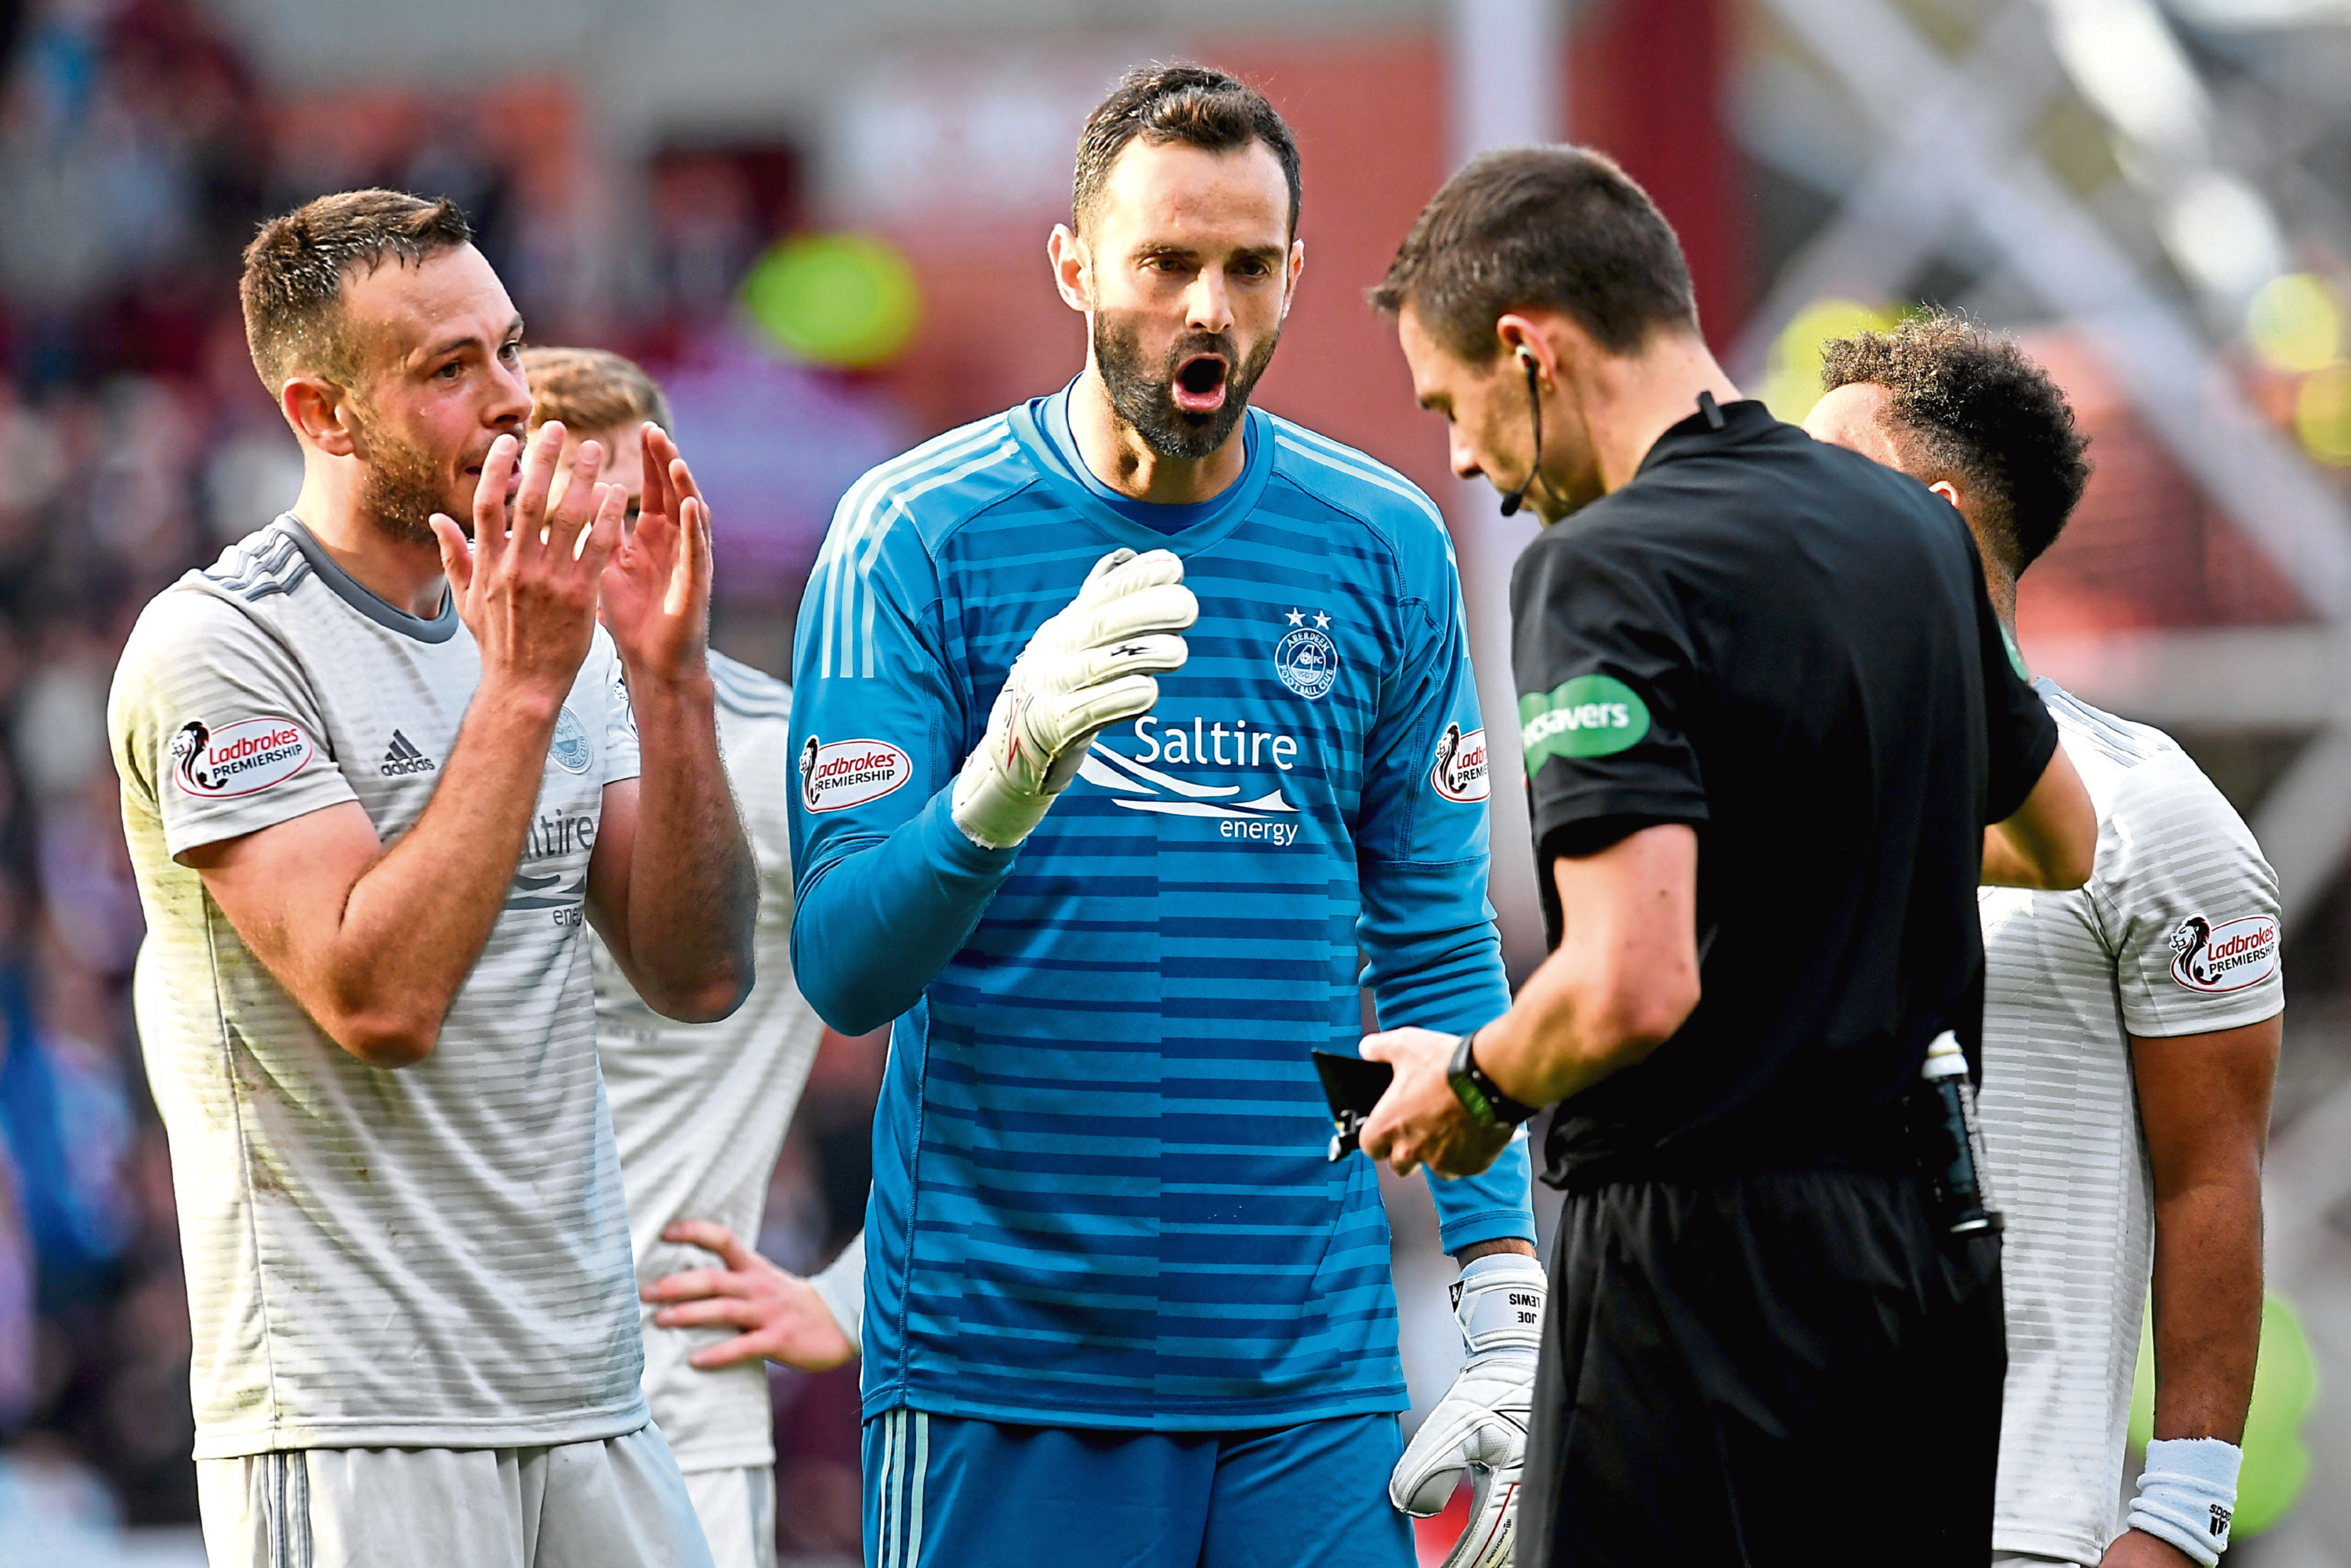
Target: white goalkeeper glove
x=1086, y=669
x=1481, y=1424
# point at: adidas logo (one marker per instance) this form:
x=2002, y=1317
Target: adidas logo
x=403, y=758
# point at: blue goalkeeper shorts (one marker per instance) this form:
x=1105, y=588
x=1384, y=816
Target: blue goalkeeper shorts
x=944, y=1490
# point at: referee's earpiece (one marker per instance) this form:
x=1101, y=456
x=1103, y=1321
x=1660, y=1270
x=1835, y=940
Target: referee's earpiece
x=1512, y=500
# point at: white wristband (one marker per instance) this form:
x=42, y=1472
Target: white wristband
x=1499, y=1301
x=2188, y=1493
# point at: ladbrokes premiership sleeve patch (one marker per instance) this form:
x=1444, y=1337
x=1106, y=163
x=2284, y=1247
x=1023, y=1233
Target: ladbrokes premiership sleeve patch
x=2229, y=956
x=2189, y=905
x=1460, y=772
x=243, y=757
x=838, y=774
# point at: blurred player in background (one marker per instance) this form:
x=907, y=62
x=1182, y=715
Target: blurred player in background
x=375, y=780
x=1768, y=719
x=2131, y=1029
x=1120, y=1306
x=699, y=1111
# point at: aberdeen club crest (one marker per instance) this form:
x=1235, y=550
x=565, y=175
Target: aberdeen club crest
x=1306, y=660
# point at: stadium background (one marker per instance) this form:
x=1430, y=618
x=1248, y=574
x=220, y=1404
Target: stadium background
x=823, y=226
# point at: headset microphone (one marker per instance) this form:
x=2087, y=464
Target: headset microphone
x=1513, y=499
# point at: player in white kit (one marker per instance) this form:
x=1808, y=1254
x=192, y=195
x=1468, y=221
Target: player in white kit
x=699, y=1111
x=2131, y=1029
x=375, y=780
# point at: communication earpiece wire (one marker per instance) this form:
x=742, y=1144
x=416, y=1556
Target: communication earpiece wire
x=1516, y=498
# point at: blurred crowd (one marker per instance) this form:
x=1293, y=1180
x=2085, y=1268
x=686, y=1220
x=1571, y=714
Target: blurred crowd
x=126, y=447
x=138, y=150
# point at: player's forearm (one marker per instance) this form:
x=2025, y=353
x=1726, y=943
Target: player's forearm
x=416, y=920
x=693, y=886
x=2204, y=1104
x=871, y=929
x=2208, y=1306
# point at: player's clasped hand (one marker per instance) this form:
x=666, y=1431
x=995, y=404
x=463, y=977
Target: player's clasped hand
x=657, y=584
x=1419, y=1121
x=781, y=1316
x=526, y=585
x=1089, y=667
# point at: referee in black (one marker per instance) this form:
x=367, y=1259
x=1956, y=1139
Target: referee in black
x=1769, y=722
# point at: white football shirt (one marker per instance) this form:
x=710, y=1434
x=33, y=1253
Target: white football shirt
x=700, y=1110
x=431, y=1256
x=2175, y=934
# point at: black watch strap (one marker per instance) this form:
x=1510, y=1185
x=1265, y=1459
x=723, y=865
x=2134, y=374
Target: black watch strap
x=1480, y=1095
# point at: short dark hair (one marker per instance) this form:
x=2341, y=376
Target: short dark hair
x=292, y=289
x=1191, y=105
x=1972, y=409
x=591, y=391
x=1559, y=228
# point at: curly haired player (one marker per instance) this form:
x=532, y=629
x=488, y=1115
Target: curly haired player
x=2131, y=1028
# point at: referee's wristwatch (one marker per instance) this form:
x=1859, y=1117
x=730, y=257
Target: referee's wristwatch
x=1479, y=1094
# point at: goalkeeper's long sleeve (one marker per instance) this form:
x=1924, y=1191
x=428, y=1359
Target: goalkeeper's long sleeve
x=1434, y=957
x=1436, y=963
x=875, y=927
x=888, y=917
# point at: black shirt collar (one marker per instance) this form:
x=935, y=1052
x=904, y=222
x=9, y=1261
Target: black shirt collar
x=1741, y=422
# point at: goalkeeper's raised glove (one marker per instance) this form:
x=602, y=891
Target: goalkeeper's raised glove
x=1481, y=1424
x=1086, y=669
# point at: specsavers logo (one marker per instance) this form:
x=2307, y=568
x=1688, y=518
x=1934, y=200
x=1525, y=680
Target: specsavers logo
x=1267, y=818
x=243, y=758
x=837, y=775
x=1460, y=770
x=1590, y=715
x=2225, y=958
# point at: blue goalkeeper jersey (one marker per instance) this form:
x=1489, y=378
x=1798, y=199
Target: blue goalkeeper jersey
x=1101, y=1196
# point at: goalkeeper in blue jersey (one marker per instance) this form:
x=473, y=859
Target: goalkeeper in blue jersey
x=1125, y=720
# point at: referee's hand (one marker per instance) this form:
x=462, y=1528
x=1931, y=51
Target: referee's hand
x=1419, y=1122
x=781, y=1316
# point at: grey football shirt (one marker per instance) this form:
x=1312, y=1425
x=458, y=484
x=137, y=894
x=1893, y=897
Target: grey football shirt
x=2175, y=934
x=431, y=1256
x=700, y=1110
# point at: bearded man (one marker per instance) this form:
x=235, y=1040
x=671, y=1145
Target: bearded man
x=1112, y=1277
x=377, y=768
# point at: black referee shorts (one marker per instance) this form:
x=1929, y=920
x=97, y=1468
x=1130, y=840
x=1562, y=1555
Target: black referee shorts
x=1776, y=1367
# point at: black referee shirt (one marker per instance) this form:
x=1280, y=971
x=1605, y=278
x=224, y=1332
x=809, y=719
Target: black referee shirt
x=1791, y=649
